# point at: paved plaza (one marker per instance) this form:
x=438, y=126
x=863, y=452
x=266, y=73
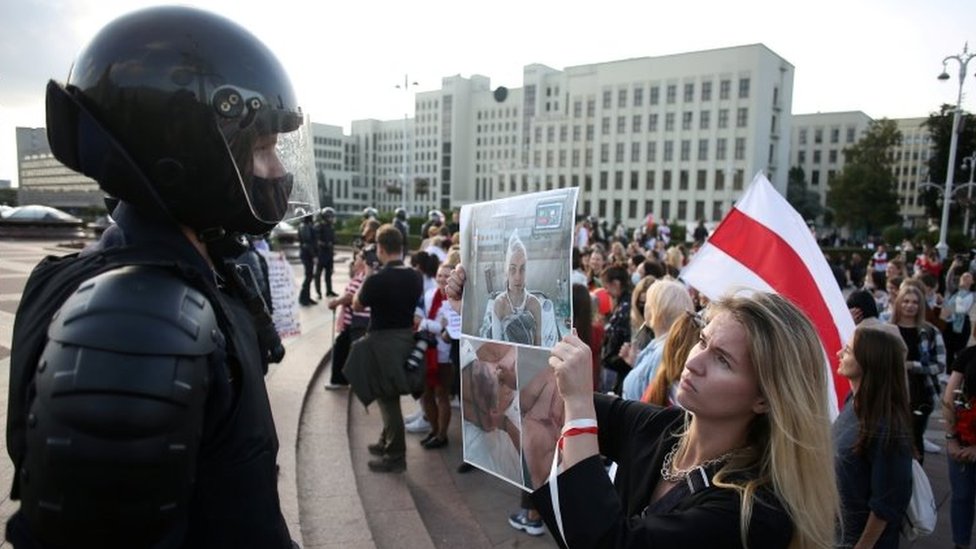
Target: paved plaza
x=329, y=498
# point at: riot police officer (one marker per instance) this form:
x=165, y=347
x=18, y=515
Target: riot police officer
x=400, y=222
x=434, y=219
x=325, y=240
x=137, y=413
x=307, y=250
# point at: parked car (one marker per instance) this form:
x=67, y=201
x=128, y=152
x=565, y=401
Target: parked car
x=35, y=221
x=41, y=216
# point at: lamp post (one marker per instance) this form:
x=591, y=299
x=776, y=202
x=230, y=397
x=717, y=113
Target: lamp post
x=963, y=60
x=405, y=198
x=968, y=163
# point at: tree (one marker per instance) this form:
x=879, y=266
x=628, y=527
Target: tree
x=939, y=125
x=862, y=196
x=804, y=201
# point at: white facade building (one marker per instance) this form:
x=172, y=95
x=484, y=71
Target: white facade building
x=337, y=170
x=44, y=180
x=677, y=136
x=911, y=165
x=818, y=142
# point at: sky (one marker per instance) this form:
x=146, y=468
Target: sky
x=345, y=58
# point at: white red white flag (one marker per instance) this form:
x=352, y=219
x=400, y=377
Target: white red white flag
x=763, y=244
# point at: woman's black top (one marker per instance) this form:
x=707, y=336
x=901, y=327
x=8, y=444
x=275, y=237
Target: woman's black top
x=597, y=513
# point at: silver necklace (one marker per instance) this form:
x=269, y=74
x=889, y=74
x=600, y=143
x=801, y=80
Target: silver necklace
x=672, y=474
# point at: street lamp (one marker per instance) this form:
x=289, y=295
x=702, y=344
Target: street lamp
x=963, y=60
x=969, y=163
x=406, y=166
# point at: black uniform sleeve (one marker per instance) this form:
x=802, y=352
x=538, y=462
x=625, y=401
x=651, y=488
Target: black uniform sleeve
x=116, y=414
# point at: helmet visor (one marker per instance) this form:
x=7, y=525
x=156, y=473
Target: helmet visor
x=272, y=151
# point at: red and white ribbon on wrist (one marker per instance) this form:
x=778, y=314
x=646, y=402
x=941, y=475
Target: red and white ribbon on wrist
x=570, y=428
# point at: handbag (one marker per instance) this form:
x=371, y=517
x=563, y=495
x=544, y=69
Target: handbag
x=921, y=513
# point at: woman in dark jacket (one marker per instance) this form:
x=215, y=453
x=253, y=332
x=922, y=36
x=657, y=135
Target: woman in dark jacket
x=873, y=439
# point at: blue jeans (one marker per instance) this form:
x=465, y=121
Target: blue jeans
x=962, y=479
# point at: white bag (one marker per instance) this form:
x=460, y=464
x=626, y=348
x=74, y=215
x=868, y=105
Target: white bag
x=921, y=513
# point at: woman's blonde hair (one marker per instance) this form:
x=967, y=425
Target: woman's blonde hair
x=909, y=286
x=637, y=298
x=791, y=444
x=683, y=335
x=667, y=300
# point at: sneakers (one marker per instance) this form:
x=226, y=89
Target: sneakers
x=931, y=447
x=414, y=416
x=520, y=521
x=331, y=294
x=420, y=425
x=388, y=465
x=456, y=402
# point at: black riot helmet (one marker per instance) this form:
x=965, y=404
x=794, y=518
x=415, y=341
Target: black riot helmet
x=328, y=214
x=186, y=114
x=370, y=213
x=400, y=214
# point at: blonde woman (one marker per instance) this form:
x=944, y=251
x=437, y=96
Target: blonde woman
x=684, y=334
x=638, y=299
x=926, y=357
x=666, y=301
x=750, y=464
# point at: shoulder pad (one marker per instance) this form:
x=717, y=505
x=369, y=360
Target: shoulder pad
x=138, y=310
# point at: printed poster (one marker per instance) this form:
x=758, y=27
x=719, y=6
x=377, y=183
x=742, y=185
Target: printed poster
x=284, y=297
x=517, y=304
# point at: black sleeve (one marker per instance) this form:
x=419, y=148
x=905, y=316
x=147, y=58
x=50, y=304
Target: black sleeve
x=618, y=419
x=367, y=291
x=592, y=516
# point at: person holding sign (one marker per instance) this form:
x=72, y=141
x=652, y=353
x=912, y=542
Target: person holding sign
x=745, y=461
x=515, y=315
x=748, y=462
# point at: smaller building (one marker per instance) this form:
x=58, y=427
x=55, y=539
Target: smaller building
x=46, y=181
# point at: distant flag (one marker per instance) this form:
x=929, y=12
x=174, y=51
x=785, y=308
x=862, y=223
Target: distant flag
x=764, y=244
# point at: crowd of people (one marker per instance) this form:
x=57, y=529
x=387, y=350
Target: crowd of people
x=712, y=415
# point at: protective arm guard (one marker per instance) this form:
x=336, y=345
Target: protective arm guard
x=117, y=410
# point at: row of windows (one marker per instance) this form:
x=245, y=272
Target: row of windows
x=639, y=151
x=503, y=113
x=320, y=153
x=636, y=96
x=508, y=126
x=600, y=206
x=635, y=124
x=801, y=157
x=915, y=156
x=327, y=141
x=818, y=135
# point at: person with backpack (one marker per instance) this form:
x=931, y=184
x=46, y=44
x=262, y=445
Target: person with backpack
x=137, y=414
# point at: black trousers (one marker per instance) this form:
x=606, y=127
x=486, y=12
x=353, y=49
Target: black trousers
x=325, y=264
x=308, y=262
x=340, y=352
